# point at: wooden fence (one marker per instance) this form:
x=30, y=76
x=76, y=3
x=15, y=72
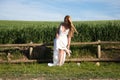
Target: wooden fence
x=31, y=45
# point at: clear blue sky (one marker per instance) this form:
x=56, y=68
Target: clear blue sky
x=55, y=10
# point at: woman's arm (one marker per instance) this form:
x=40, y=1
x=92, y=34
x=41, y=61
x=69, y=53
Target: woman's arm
x=69, y=41
x=57, y=32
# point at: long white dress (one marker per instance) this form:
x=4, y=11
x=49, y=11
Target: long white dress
x=60, y=43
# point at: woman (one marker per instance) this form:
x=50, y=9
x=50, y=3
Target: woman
x=62, y=41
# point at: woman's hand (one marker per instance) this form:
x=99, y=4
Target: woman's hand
x=68, y=47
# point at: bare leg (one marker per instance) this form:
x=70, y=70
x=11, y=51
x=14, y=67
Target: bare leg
x=64, y=56
x=60, y=57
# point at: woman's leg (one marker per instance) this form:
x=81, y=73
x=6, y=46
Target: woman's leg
x=64, y=56
x=60, y=57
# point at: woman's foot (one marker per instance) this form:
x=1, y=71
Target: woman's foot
x=59, y=64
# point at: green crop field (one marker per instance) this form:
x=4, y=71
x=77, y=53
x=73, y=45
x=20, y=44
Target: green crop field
x=42, y=32
x=15, y=32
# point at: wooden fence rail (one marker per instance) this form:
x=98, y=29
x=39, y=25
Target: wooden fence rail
x=98, y=43
x=49, y=44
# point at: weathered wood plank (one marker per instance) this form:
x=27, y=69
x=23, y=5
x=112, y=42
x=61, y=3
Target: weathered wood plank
x=110, y=42
x=20, y=45
x=93, y=59
x=85, y=43
x=67, y=60
x=74, y=43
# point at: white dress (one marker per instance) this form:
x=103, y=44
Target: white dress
x=60, y=43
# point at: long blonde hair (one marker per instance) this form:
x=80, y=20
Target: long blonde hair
x=71, y=26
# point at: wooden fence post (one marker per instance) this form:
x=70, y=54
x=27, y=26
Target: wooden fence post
x=30, y=50
x=99, y=49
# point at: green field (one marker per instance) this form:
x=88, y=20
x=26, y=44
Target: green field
x=36, y=31
x=44, y=32
x=69, y=71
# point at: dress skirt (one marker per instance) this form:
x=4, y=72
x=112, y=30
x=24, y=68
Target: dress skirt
x=59, y=43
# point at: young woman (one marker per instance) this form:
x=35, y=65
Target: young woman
x=62, y=41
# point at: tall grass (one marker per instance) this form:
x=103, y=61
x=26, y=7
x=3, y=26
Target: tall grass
x=42, y=32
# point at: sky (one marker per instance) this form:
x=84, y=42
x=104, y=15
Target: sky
x=55, y=10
